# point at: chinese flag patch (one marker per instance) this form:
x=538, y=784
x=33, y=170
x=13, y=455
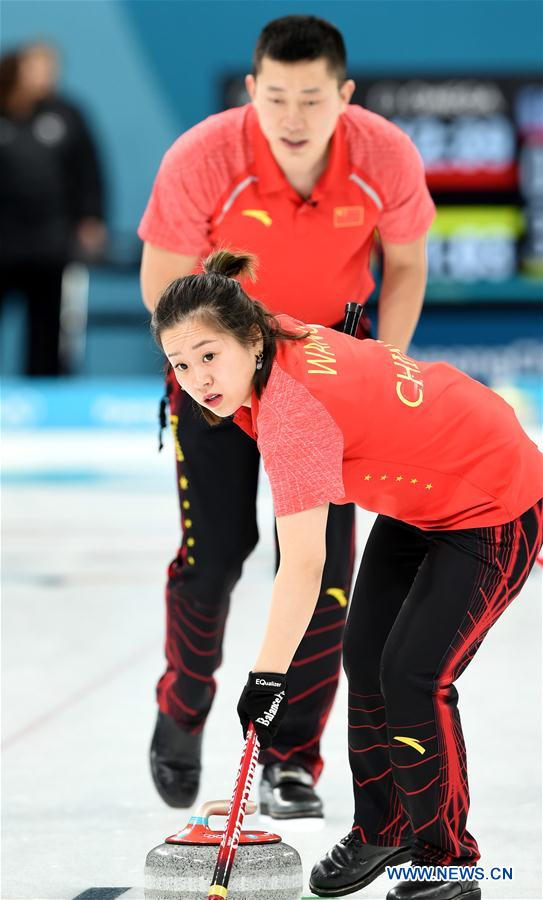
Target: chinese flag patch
x=348, y=216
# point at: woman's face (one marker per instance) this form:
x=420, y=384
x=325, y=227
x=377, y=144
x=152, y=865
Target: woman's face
x=38, y=71
x=211, y=365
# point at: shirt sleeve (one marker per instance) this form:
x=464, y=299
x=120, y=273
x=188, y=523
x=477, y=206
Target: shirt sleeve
x=408, y=209
x=181, y=204
x=301, y=446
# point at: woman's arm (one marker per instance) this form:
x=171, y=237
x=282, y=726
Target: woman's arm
x=302, y=542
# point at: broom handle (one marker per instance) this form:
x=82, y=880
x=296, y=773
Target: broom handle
x=353, y=311
x=234, y=822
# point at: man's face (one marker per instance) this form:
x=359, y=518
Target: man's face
x=298, y=105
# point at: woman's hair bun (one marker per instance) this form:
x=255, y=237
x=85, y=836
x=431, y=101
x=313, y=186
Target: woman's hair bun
x=230, y=264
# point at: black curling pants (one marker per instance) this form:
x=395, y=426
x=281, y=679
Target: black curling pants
x=41, y=286
x=217, y=475
x=422, y=605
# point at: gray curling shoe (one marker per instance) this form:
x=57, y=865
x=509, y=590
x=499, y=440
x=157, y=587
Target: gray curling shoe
x=287, y=792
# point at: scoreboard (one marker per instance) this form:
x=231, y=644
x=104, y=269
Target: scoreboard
x=481, y=140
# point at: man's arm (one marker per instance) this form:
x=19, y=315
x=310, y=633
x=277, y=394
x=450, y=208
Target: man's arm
x=402, y=291
x=159, y=268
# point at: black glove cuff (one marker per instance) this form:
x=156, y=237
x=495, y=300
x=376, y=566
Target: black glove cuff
x=266, y=681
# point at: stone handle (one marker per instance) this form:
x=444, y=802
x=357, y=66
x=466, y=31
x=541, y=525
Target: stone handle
x=221, y=807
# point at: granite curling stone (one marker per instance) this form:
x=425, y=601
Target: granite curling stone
x=182, y=868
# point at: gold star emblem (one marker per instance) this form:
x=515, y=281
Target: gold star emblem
x=414, y=481
x=384, y=477
x=188, y=523
x=399, y=477
x=186, y=504
x=184, y=482
x=367, y=477
x=429, y=487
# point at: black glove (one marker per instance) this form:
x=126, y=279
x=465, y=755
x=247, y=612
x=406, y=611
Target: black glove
x=264, y=703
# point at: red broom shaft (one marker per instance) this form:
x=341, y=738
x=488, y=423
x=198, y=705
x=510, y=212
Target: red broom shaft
x=234, y=822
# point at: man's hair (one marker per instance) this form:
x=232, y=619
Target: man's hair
x=297, y=38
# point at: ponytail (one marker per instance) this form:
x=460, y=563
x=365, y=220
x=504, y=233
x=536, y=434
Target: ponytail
x=224, y=262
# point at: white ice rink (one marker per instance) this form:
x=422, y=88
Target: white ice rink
x=85, y=548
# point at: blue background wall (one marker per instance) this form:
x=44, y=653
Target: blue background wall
x=148, y=69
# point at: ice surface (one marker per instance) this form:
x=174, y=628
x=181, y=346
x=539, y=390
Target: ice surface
x=86, y=540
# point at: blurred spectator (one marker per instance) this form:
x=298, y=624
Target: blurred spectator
x=51, y=196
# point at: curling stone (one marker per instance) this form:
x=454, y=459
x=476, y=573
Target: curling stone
x=182, y=868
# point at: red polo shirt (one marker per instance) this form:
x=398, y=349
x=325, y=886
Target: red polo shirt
x=433, y=447
x=219, y=184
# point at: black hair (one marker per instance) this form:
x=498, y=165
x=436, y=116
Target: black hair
x=293, y=39
x=9, y=71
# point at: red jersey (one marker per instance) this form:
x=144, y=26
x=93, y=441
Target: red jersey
x=219, y=184
x=343, y=420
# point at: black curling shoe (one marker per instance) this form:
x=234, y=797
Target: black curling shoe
x=175, y=762
x=351, y=865
x=287, y=792
x=435, y=890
